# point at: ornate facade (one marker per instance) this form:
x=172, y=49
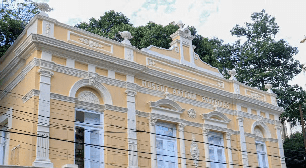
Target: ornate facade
x=70, y=98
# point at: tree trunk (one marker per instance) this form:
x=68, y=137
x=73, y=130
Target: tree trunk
x=303, y=126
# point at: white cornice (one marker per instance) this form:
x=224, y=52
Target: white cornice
x=142, y=72
x=71, y=28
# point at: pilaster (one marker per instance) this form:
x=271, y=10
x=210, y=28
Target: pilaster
x=182, y=144
x=244, y=153
x=278, y=128
x=229, y=149
x=152, y=122
x=131, y=115
x=206, y=147
x=43, y=133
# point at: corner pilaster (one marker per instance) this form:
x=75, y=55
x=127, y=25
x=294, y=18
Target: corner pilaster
x=278, y=128
x=43, y=132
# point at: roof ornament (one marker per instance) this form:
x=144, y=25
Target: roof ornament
x=166, y=94
x=127, y=36
x=180, y=24
x=233, y=73
x=43, y=7
x=269, y=87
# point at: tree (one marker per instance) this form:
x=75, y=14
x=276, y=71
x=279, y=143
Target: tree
x=294, y=151
x=263, y=59
x=13, y=19
x=105, y=23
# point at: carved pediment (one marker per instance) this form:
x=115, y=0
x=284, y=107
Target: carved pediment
x=216, y=118
x=167, y=107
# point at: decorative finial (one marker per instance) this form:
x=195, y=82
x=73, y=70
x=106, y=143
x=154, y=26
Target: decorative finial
x=166, y=95
x=43, y=7
x=269, y=87
x=233, y=73
x=180, y=24
x=127, y=36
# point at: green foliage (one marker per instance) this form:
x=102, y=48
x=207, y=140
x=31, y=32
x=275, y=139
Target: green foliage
x=294, y=151
x=263, y=59
x=105, y=23
x=291, y=97
x=13, y=19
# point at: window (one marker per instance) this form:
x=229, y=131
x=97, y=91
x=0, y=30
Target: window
x=3, y=142
x=216, y=150
x=261, y=154
x=166, y=147
x=89, y=139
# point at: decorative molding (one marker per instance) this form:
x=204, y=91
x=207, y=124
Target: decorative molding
x=194, y=151
x=192, y=113
x=9, y=87
x=219, y=129
x=223, y=118
x=131, y=93
x=167, y=118
x=263, y=126
x=152, y=120
x=169, y=104
x=90, y=42
x=258, y=138
x=29, y=95
x=45, y=72
x=152, y=62
x=103, y=91
x=181, y=127
x=88, y=96
x=115, y=108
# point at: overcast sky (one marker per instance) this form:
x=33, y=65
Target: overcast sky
x=212, y=18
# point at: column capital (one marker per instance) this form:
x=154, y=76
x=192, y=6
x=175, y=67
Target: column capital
x=228, y=135
x=45, y=72
x=205, y=131
x=152, y=120
x=181, y=127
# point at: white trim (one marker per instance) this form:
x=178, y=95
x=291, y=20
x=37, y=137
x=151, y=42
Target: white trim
x=70, y=63
x=263, y=126
x=265, y=153
x=103, y=91
x=111, y=74
x=99, y=128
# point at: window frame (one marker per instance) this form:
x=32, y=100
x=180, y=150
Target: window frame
x=160, y=137
x=260, y=164
x=91, y=127
x=217, y=134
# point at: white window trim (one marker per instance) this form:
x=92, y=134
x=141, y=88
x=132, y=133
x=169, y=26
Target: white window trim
x=217, y=134
x=93, y=127
x=6, y=120
x=174, y=135
x=266, y=154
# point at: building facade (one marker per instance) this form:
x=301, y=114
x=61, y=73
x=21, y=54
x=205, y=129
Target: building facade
x=70, y=98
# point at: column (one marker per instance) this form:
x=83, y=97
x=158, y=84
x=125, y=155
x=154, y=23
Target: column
x=152, y=122
x=131, y=124
x=42, y=145
x=243, y=143
x=182, y=145
x=229, y=149
x=278, y=128
x=206, y=147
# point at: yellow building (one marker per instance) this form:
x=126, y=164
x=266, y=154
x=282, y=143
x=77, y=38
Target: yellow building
x=70, y=98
